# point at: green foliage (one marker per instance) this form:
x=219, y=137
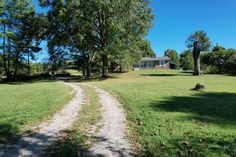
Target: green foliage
x=198, y=41
x=220, y=59
x=173, y=55
x=18, y=33
x=146, y=49
x=186, y=60
x=99, y=29
x=172, y=120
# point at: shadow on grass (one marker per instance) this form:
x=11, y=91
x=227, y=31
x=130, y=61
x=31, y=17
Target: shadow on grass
x=81, y=79
x=190, y=145
x=167, y=74
x=161, y=75
x=74, y=145
x=22, y=82
x=54, y=79
x=7, y=131
x=186, y=72
x=218, y=108
x=27, y=145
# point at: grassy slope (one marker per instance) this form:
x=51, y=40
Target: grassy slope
x=171, y=119
x=26, y=104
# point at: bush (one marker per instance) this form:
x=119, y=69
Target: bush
x=219, y=60
x=186, y=60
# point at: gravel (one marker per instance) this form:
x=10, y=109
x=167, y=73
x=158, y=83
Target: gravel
x=111, y=139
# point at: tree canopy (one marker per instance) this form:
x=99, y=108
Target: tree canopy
x=173, y=55
x=18, y=35
x=198, y=42
x=99, y=29
x=146, y=49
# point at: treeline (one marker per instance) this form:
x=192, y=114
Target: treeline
x=218, y=60
x=202, y=56
x=92, y=36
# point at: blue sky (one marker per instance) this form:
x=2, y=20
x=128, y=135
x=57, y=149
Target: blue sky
x=175, y=20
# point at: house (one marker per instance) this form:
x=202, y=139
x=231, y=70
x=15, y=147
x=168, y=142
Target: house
x=154, y=63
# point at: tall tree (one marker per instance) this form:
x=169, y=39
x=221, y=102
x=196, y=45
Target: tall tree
x=198, y=42
x=115, y=31
x=59, y=26
x=100, y=29
x=17, y=20
x=173, y=55
x=217, y=57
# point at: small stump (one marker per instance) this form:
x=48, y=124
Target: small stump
x=199, y=87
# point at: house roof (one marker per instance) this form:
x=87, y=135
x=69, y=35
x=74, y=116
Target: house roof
x=156, y=59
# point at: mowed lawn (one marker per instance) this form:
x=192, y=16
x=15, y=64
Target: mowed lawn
x=23, y=105
x=171, y=119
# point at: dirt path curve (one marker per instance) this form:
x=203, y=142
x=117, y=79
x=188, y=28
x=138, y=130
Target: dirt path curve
x=111, y=139
x=47, y=132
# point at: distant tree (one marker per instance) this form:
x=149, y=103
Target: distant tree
x=186, y=60
x=198, y=42
x=59, y=24
x=173, y=55
x=215, y=57
x=146, y=49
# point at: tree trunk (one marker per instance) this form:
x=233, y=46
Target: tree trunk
x=15, y=71
x=197, y=69
x=16, y=64
x=120, y=69
x=83, y=69
x=219, y=69
x=28, y=64
x=104, y=66
x=52, y=68
x=89, y=69
x=4, y=52
x=9, y=59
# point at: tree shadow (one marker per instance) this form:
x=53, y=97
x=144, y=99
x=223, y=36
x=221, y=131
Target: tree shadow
x=188, y=145
x=74, y=145
x=186, y=72
x=7, y=131
x=166, y=75
x=161, y=75
x=217, y=108
x=28, y=145
x=81, y=79
x=30, y=81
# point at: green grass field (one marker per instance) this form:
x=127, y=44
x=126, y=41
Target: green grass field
x=171, y=119
x=25, y=104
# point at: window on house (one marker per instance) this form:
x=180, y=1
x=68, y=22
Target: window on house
x=151, y=64
x=162, y=63
x=144, y=64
